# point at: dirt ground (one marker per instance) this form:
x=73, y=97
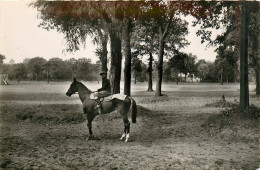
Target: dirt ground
x=41, y=128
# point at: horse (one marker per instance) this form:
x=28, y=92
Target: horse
x=89, y=107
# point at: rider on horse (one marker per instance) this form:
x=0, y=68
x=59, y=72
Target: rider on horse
x=104, y=91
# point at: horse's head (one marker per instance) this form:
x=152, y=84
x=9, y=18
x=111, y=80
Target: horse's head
x=73, y=88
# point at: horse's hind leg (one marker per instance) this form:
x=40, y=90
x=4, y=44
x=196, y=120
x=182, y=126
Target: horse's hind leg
x=126, y=130
x=123, y=136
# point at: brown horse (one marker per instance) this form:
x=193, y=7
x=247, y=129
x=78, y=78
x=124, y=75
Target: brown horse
x=89, y=107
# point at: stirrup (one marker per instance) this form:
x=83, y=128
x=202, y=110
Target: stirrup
x=98, y=106
x=99, y=110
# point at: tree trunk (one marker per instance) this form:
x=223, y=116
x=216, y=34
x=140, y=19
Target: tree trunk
x=237, y=71
x=103, y=38
x=135, y=76
x=103, y=58
x=244, y=89
x=48, y=80
x=257, y=72
x=150, y=73
x=255, y=49
x=221, y=77
x=127, y=50
x=177, y=78
x=116, y=60
x=158, y=91
x=162, y=35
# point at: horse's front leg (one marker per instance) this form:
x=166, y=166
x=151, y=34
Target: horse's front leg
x=91, y=136
x=90, y=118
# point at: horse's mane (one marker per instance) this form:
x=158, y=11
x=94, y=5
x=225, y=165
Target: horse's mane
x=84, y=87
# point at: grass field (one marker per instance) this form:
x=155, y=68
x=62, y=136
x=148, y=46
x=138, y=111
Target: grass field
x=42, y=128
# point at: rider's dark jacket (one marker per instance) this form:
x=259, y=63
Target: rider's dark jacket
x=105, y=85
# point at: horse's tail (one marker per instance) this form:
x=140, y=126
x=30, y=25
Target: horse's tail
x=133, y=109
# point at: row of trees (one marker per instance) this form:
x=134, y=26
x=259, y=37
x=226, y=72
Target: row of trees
x=39, y=68
x=178, y=68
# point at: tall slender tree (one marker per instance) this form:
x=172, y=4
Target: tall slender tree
x=127, y=52
x=244, y=88
x=254, y=38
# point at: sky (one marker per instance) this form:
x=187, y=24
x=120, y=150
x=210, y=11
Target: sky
x=20, y=37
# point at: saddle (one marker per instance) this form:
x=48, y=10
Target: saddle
x=118, y=96
x=99, y=100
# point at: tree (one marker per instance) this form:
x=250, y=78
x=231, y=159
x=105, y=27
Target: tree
x=227, y=55
x=164, y=21
x=144, y=43
x=168, y=72
x=254, y=34
x=177, y=62
x=20, y=71
x=168, y=21
x=150, y=72
x=136, y=67
x=36, y=67
x=54, y=66
x=244, y=88
x=131, y=13
x=57, y=69
x=73, y=66
x=83, y=68
x=127, y=53
x=191, y=65
x=202, y=69
x=2, y=58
